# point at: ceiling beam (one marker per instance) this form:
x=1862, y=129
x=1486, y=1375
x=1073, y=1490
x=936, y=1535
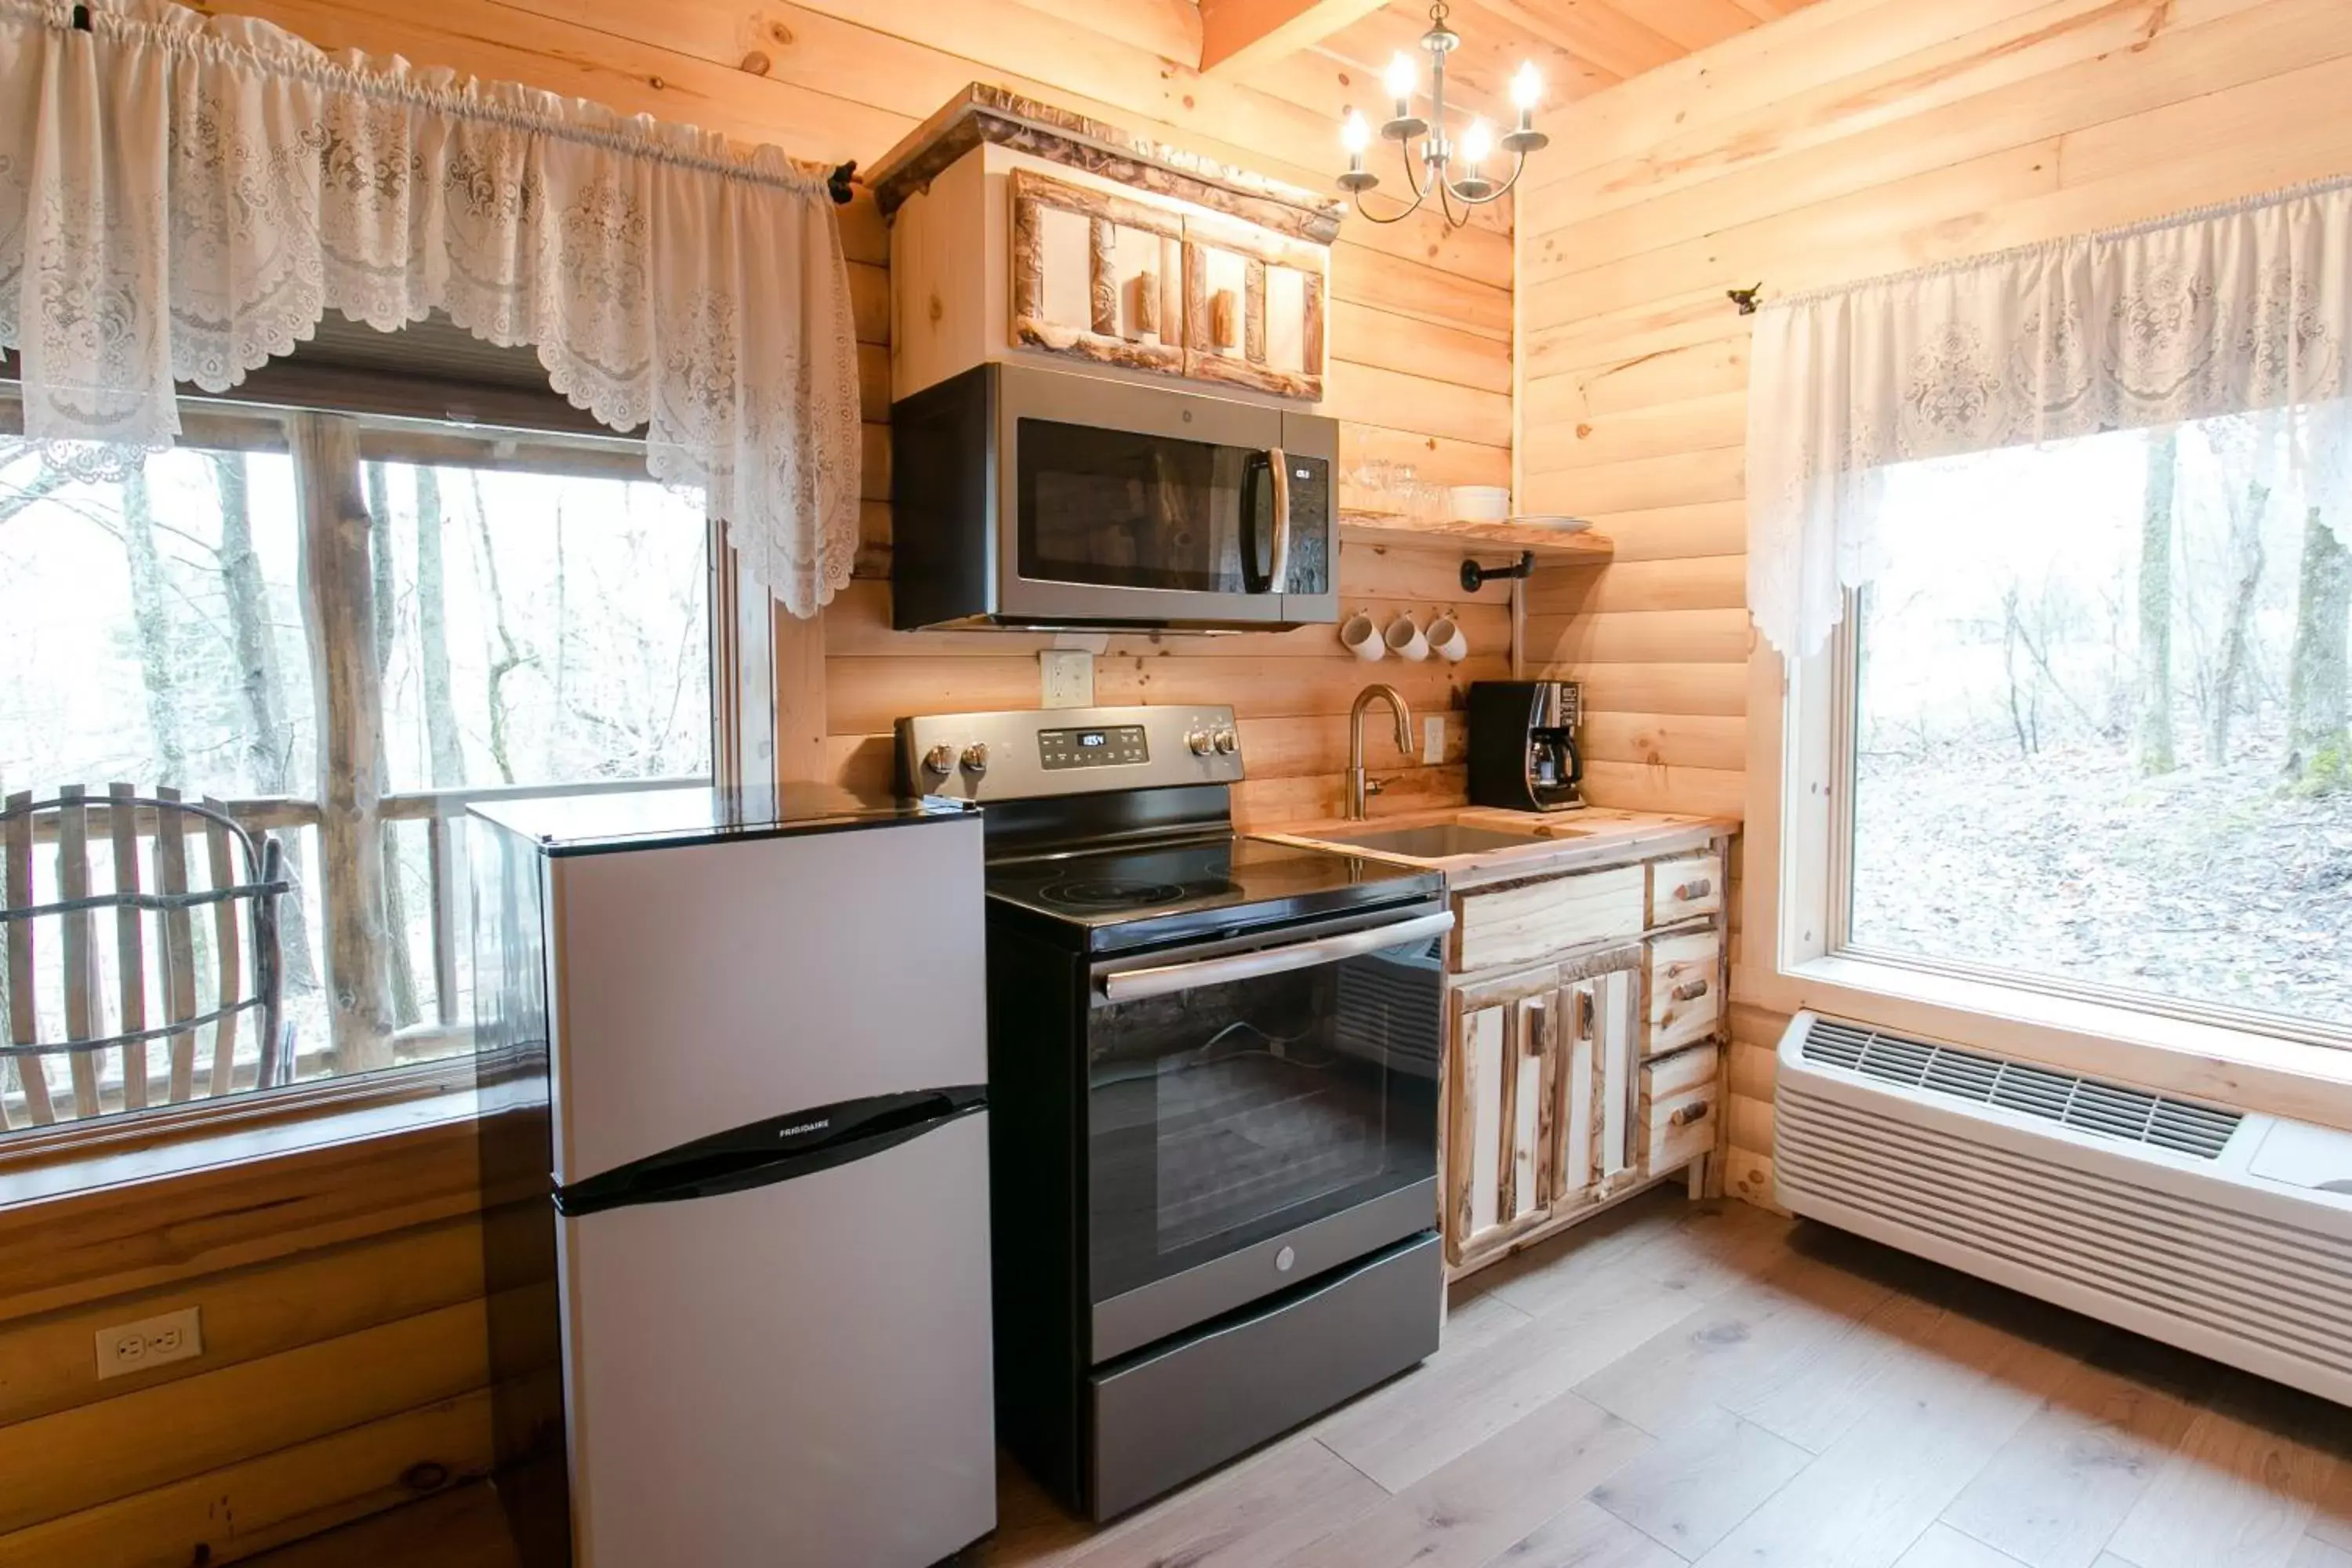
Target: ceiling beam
x=1236, y=35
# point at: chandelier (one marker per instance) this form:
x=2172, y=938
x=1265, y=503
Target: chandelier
x=1472, y=186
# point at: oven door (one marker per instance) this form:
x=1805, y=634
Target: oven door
x=1258, y=1113
x=1122, y=502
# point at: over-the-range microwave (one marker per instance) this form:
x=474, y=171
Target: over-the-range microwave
x=1025, y=496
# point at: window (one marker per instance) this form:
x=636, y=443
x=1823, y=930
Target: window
x=2093, y=716
x=538, y=619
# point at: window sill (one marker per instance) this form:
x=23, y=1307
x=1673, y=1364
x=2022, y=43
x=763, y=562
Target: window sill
x=2198, y=1061
x=75, y=1160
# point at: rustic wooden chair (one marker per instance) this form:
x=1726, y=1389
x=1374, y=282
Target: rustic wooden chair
x=248, y=958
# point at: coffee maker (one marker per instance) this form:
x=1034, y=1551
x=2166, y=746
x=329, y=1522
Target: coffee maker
x=1523, y=755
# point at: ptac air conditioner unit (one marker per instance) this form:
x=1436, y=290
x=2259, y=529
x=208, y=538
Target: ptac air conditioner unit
x=2227, y=1233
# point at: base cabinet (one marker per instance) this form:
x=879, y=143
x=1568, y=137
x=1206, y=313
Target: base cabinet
x=1543, y=1097
x=1572, y=1080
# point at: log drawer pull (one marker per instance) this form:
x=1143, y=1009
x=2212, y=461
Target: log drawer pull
x=1691, y=892
x=1696, y=1111
x=1690, y=990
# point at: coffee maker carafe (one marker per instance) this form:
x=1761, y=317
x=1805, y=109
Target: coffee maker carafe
x=1523, y=754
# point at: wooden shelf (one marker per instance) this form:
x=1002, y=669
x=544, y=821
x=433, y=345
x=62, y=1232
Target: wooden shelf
x=1549, y=544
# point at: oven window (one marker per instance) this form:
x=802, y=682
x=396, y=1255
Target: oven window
x=1223, y=1116
x=1117, y=509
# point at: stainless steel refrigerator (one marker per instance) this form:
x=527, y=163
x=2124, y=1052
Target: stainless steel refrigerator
x=733, y=1055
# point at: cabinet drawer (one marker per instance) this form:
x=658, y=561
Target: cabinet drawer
x=1684, y=981
x=1685, y=887
x=1680, y=1104
x=1534, y=920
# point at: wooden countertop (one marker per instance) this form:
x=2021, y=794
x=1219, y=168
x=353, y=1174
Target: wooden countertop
x=1581, y=840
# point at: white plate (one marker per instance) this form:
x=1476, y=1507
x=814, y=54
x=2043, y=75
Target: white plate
x=1553, y=520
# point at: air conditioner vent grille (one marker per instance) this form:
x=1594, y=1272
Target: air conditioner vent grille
x=2087, y=1105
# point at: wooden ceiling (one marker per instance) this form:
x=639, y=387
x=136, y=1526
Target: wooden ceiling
x=1579, y=46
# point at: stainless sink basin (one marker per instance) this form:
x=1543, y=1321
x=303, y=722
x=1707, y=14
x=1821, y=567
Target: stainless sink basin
x=1444, y=839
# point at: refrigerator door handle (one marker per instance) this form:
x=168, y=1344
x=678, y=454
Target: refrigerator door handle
x=778, y=1149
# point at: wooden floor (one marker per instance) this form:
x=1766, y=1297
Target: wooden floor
x=1711, y=1384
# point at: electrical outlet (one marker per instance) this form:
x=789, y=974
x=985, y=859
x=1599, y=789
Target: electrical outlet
x=1433, y=738
x=127, y=1348
x=1067, y=676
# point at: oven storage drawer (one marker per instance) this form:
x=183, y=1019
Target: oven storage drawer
x=1169, y=1415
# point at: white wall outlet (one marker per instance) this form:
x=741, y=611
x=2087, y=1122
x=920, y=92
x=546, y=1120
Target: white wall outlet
x=1433, y=738
x=1067, y=676
x=127, y=1348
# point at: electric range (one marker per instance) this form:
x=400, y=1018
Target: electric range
x=1214, y=1092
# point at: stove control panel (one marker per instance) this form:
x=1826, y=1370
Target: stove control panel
x=1118, y=746
x=1067, y=750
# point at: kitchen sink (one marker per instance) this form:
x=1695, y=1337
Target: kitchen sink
x=1444, y=839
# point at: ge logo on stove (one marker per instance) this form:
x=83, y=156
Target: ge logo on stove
x=1283, y=1259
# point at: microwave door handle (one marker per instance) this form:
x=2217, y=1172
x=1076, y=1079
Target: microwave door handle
x=1131, y=985
x=1278, y=465
x=1253, y=467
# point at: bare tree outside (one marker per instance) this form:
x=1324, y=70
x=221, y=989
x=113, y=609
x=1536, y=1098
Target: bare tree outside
x=2155, y=749
x=2053, y=620
x=262, y=689
x=2318, y=758
x=401, y=961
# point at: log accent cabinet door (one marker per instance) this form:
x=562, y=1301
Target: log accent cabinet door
x=1598, y=1090
x=1541, y=1099
x=1502, y=1099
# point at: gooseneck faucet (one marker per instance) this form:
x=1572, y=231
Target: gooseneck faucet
x=1360, y=788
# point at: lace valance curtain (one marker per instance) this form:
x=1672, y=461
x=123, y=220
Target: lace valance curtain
x=183, y=197
x=2245, y=308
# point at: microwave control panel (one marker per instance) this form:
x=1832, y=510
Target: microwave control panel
x=1111, y=746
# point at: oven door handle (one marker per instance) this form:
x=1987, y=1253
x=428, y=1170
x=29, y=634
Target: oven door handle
x=1128, y=984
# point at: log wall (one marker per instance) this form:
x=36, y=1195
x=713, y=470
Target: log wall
x=344, y=1364
x=1853, y=138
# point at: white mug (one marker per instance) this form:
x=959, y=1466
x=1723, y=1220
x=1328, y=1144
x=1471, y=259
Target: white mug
x=1446, y=641
x=1360, y=637
x=1404, y=640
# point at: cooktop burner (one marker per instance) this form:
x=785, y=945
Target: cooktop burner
x=1118, y=899
x=1099, y=894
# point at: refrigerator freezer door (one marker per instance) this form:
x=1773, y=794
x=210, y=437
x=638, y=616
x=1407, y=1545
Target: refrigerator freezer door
x=701, y=988
x=796, y=1374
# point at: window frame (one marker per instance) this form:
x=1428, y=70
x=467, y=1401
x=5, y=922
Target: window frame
x=1795, y=952
x=427, y=422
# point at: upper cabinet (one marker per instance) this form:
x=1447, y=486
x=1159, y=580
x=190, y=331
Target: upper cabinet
x=1018, y=228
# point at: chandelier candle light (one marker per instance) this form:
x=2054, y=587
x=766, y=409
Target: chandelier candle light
x=1471, y=186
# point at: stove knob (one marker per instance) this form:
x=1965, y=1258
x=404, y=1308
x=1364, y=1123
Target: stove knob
x=1199, y=740
x=1227, y=743
x=975, y=758
x=940, y=760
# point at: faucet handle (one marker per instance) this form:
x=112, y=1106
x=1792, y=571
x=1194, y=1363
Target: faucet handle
x=1373, y=786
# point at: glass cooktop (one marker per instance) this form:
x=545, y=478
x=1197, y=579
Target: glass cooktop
x=1113, y=901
